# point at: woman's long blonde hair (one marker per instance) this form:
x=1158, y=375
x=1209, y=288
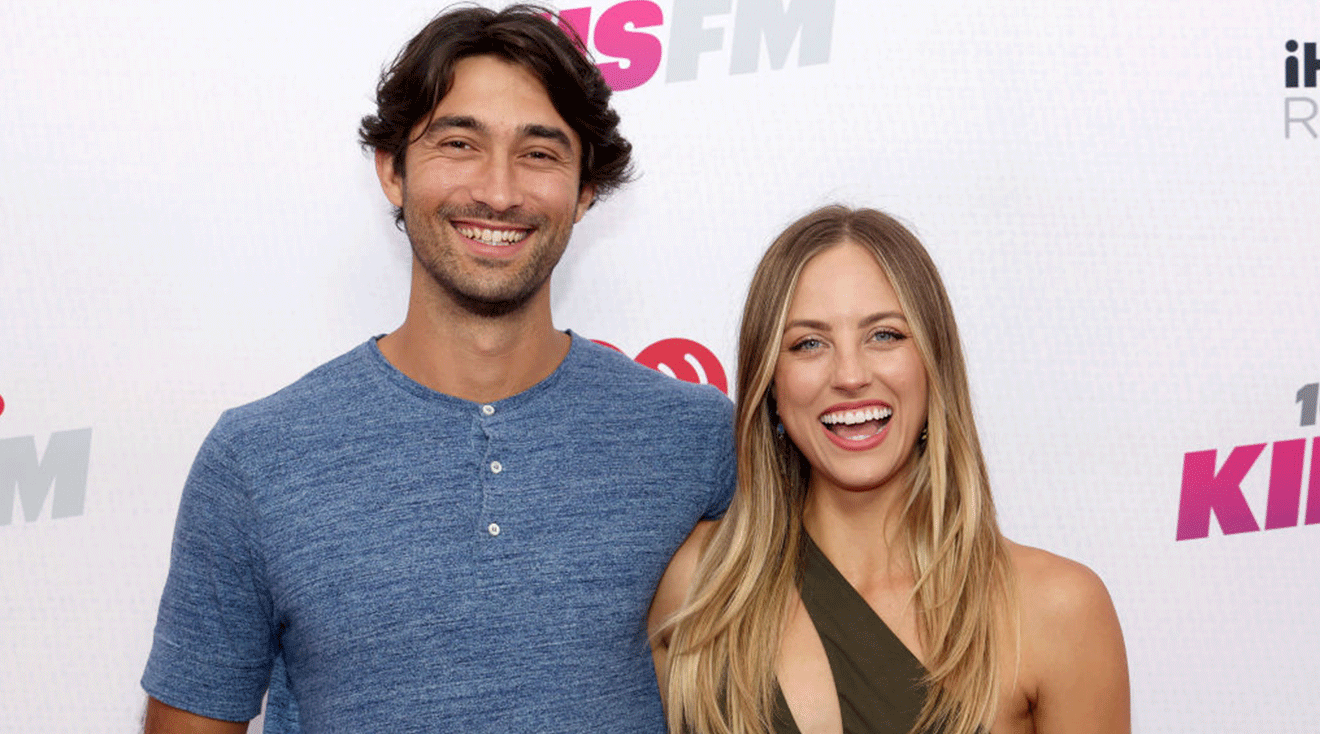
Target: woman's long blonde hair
x=724, y=641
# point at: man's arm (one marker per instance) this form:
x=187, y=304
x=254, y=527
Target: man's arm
x=213, y=641
x=165, y=719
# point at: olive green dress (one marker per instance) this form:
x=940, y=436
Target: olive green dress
x=878, y=679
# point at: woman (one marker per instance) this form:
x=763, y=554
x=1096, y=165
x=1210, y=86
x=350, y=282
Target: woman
x=859, y=581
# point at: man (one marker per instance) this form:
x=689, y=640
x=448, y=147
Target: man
x=457, y=526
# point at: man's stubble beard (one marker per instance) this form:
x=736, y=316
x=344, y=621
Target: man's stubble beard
x=512, y=285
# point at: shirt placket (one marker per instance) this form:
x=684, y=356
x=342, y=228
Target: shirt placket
x=492, y=474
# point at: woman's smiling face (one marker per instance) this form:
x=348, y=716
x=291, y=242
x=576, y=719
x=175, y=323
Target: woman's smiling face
x=850, y=384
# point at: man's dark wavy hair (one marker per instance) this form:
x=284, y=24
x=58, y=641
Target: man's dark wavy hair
x=423, y=73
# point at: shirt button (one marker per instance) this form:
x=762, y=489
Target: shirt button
x=488, y=410
x=496, y=467
x=493, y=528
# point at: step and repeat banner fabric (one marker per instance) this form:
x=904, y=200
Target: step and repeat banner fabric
x=1121, y=197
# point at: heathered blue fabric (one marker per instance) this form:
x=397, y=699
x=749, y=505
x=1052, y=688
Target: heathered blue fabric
x=345, y=522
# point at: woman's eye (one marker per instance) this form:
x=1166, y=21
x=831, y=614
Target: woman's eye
x=805, y=344
x=887, y=335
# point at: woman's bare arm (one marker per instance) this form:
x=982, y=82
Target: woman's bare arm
x=673, y=590
x=1073, y=647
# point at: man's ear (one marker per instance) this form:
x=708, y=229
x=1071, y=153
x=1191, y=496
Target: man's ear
x=391, y=181
x=585, y=197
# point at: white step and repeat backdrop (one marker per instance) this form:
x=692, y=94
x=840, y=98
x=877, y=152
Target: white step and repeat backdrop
x=1121, y=197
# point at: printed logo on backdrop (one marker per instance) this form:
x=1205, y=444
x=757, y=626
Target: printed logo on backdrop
x=631, y=31
x=682, y=359
x=56, y=475
x=1299, y=73
x=1209, y=491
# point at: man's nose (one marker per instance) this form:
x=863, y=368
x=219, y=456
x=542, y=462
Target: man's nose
x=496, y=184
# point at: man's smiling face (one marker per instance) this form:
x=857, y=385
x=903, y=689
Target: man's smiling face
x=490, y=190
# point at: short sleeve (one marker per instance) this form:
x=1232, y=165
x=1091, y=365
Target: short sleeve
x=214, y=639
x=281, y=715
x=723, y=463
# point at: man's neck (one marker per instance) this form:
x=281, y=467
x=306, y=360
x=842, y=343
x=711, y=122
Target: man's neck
x=475, y=357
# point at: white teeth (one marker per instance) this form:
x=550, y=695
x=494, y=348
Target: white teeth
x=492, y=236
x=853, y=417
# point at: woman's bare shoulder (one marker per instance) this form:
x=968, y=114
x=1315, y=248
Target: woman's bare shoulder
x=1052, y=587
x=1073, y=665
x=677, y=579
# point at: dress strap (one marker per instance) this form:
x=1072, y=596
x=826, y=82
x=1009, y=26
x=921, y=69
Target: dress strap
x=879, y=681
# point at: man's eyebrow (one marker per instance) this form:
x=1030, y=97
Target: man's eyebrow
x=548, y=133
x=467, y=122
x=445, y=122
